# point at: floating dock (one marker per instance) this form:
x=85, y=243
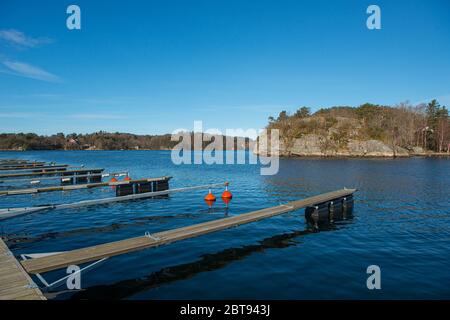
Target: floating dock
x=59, y=172
x=21, y=164
x=15, y=283
x=65, y=178
x=7, y=161
x=98, y=252
x=40, y=168
x=76, y=186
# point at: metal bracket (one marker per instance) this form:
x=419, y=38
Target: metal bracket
x=61, y=281
x=149, y=235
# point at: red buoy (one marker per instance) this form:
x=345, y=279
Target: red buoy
x=210, y=196
x=127, y=178
x=226, y=201
x=209, y=203
x=226, y=194
x=113, y=179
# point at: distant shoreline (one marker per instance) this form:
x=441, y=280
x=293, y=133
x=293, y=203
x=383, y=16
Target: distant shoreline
x=428, y=155
x=292, y=156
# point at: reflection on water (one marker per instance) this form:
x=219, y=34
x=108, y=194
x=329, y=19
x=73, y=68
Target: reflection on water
x=17, y=241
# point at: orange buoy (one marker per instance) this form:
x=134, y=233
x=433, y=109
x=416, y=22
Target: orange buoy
x=209, y=203
x=113, y=179
x=226, y=201
x=210, y=196
x=127, y=178
x=226, y=194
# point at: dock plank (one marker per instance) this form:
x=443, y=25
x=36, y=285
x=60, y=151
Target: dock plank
x=59, y=172
x=26, y=168
x=15, y=283
x=78, y=256
x=68, y=177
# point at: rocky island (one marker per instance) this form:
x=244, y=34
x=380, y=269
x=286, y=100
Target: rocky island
x=366, y=131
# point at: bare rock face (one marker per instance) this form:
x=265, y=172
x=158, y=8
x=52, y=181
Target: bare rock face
x=418, y=150
x=264, y=147
x=261, y=146
x=374, y=148
x=308, y=145
x=401, y=152
x=369, y=148
x=312, y=145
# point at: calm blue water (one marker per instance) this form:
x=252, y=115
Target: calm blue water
x=401, y=223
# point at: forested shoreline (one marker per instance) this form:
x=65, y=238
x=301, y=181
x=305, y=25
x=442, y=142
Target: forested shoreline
x=97, y=141
x=366, y=130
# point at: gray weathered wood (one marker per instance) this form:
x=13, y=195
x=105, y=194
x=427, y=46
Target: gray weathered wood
x=29, y=168
x=111, y=174
x=15, y=283
x=36, y=174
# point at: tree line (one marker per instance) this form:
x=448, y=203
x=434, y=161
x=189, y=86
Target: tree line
x=96, y=141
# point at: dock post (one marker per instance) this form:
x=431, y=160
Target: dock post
x=315, y=217
x=344, y=208
x=315, y=213
x=331, y=211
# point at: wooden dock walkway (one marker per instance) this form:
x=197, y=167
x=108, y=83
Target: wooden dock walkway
x=7, y=161
x=65, y=177
x=15, y=283
x=28, y=168
x=60, y=172
x=76, y=186
x=21, y=164
x=78, y=256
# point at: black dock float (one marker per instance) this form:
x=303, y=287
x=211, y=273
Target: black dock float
x=330, y=211
x=142, y=187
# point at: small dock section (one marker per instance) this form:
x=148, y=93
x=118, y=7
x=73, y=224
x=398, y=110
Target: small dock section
x=79, y=186
x=15, y=283
x=11, y=164
x=51, y=172
x=34, y=168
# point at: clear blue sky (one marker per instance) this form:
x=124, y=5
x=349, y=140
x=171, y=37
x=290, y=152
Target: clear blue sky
x=155, y=66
